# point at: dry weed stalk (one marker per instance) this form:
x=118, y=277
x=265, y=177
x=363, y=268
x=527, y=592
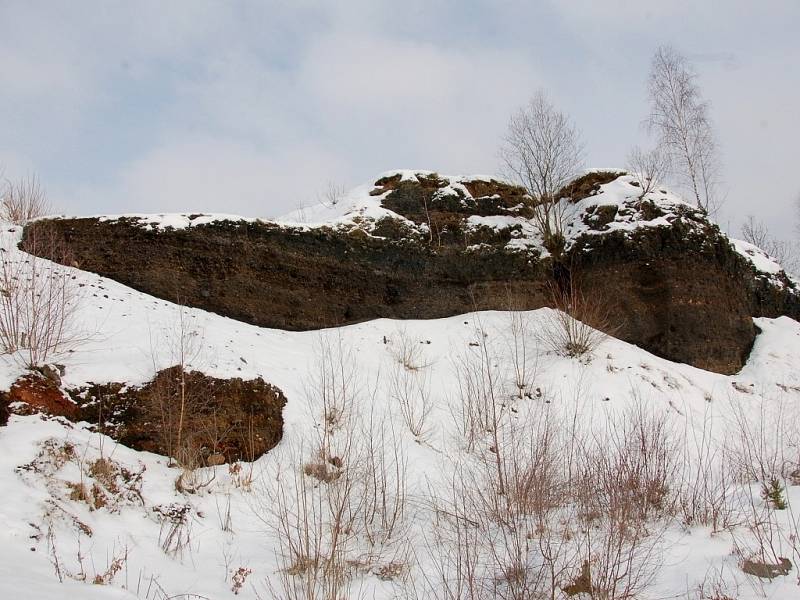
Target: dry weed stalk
x=411, y=393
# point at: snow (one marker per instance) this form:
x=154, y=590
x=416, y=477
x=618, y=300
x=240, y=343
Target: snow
x=126, y=337
x=760, y=260
x=164, y=221
x=622, y=194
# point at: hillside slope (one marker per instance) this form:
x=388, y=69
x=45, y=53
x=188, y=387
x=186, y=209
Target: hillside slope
x=392, y=398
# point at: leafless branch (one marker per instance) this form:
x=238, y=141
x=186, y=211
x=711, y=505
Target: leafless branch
x=648, y=167
x=679, y=116
x=542, y=150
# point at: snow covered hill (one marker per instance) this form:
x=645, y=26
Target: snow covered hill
x=473, y=456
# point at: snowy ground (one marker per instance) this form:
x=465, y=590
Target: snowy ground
x=55, y=545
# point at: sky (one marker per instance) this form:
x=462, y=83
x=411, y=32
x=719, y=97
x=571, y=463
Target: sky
x=252, y=107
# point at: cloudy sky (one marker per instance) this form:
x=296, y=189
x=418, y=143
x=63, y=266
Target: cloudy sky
x=250, y=107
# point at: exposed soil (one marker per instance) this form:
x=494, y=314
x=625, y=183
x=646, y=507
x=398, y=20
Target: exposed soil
x=37, y=393
x=230, y=419
x=226, y=419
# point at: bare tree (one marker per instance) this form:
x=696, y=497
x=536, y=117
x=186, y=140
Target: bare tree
x=543, y=151
x=679, y=116
x=648, y=168
x=23, y=200
x=757, y=233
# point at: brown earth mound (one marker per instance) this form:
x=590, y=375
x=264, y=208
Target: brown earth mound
x=225, y=419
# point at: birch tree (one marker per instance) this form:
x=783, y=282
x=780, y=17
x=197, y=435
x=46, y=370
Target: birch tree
x=679, y=117
x=543, y=151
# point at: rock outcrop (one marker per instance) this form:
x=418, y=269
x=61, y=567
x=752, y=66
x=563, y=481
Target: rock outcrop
x=430, y=246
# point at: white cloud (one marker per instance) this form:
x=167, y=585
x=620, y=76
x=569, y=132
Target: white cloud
x=212, y=175
x=248, y=107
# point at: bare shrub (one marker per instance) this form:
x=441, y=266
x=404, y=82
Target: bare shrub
x=716, y=586
x=333, y=194
x=757, y=447
x=39, y=301
x=706, y=491
x=761, y=542
x=23, y=200
x=649, y=168
x=793, y=535
x=407, y=351
x=504, y=527
x=504, y=530
x=523, y=357
x=338, y=513
x=174, y=394
x=625, y=478
x=580, y=323
x=384, y=485
x=315, y=525
x=482, y=400
x=333, y=385
x=632, y=468
x=679, y=116
x=542, y=151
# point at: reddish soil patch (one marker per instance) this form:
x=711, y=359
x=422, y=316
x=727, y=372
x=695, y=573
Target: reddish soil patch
x=40, y=394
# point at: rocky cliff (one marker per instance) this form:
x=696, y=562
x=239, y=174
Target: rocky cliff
x=422, y=245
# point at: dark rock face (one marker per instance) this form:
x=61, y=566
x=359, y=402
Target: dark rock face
x=679, y=291
x=299, y=280
x=685, y=299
